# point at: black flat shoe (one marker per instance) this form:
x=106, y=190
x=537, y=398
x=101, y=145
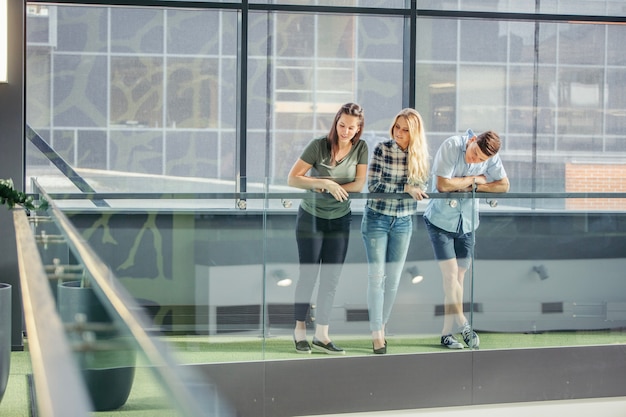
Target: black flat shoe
x=380, y=351
x=329, y=348
x=302, y=346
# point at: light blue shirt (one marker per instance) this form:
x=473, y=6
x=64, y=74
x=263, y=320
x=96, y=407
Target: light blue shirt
x=450, y=162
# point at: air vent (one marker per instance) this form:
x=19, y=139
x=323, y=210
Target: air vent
x=357, y=314
x=238, y=318
x=550, y=308
x=281, y=315
x=477, y=308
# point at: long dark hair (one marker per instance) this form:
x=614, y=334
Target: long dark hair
x=350, y=109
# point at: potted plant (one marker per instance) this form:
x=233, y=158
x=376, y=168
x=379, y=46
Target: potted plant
x=106, y=358
x=10, y=197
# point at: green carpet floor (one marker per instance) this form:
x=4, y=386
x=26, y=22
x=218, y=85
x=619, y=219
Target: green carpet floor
x=147, y=399
x=195, y=349
x=15, y=400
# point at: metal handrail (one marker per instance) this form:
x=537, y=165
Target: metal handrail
x=60, y=389
x=305, y=195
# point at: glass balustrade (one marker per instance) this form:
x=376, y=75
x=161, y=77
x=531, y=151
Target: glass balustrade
x=213, y=282
x=217, y=278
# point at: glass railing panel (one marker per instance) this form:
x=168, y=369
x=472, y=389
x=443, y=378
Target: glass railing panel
x=49, y=352
x=418, y=313
x=247, y=269
x=551, y=277
x=228, y=279
x=112, y=332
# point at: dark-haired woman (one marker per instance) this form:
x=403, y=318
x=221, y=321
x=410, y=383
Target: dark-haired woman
x=335, y=165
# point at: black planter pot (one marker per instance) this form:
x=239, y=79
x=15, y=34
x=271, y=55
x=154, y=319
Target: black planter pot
x=5, y=336
x=108, y=366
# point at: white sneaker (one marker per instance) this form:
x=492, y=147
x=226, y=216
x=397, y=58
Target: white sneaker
x=470, y=337
x=450, y=342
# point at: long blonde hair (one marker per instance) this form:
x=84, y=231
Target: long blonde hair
x=419, y=158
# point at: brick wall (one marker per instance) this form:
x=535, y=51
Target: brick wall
x=595, y=178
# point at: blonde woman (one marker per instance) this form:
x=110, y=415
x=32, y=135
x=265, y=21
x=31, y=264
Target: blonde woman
x=399, y=165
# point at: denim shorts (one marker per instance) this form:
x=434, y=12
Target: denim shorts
x=450, y=245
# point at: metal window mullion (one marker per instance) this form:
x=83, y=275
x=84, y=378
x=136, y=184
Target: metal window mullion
x=75, y=153
x=316, y=65
x=164, y=121
x=457, y=76
x=242, y=85
x=220, y=72
x=604, y=86
x=535, y=127
x=270, y=153
x=557, y=77
x=410, y=50
x=109, y=104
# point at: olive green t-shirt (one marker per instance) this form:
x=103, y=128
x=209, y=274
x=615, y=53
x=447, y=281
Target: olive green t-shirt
x=317, y=153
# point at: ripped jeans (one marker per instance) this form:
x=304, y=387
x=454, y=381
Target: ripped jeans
x=386, y=241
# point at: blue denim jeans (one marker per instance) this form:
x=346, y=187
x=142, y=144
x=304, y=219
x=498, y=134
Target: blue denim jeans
x=386, y=241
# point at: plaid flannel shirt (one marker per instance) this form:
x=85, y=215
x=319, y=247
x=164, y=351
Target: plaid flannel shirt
x=388, y=173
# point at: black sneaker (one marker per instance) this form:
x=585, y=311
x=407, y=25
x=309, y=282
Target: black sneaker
x=329, y=348
x=450, y=342
x=470, y=337
x=302, y=346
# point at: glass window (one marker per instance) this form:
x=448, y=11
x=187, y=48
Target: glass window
x=615, y=39
x=79, y=90
x=77, y=29
x=137, y=30
x=136, y=90
x=157, y=90
x=483, y=40
x=436, y=97
x=616, y=103
x=581, y=44
x=308, y=67
x=517, y=6
x=581, y=95
x=482, y=95
x=437, y=39
x=521, y=100
x=401, y=4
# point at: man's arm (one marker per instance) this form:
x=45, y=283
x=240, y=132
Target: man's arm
x=450, y=185
x=500, y=186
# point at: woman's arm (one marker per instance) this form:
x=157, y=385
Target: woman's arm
x=298, y=178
